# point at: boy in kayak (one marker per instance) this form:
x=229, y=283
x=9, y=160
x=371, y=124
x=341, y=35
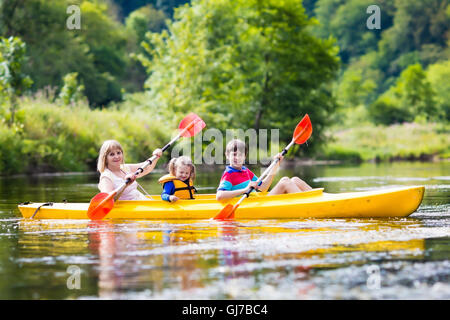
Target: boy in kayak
x=114, y=172
x=238, y=179
x=178, y=184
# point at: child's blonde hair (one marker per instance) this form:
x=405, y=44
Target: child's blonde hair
x=183, y=161
x=236, y=145
x=106, y=148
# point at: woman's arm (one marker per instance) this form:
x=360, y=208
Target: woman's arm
x=106, y=185
x=135, y=166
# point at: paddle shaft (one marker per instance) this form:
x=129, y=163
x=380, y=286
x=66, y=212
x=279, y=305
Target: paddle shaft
x=265, y=173
x=116, y=193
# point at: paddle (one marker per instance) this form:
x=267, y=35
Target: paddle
x=103, y=202
x=301, y=134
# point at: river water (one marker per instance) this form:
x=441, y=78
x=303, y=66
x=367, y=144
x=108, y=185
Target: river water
x=395, y=258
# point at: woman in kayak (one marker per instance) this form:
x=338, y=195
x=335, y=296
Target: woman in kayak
x=114, y=172
x=238, y=179
x=178, y=184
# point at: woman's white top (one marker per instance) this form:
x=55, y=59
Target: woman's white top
x=130, y=192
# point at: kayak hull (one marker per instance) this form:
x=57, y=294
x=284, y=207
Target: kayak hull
x=382, y=203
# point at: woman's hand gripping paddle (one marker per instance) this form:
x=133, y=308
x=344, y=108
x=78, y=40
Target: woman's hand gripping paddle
x=103, y=202
x=301, y=134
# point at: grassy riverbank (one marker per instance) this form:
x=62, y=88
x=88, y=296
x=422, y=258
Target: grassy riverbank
x=49, y=137
x=408, y=141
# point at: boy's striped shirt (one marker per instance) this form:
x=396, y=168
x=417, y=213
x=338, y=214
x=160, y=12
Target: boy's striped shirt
x=234, y=179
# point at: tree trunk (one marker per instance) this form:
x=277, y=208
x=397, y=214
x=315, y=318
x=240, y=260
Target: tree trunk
x=258, y=118
x=8, y=15
x=264, y=101
x=12, y=108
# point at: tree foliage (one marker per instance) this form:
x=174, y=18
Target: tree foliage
x=346, y=21
x=97, y=51
x=438, y=75
x=145, y=19
x=243, y=64
x=13, y=81
x=166, y=6
x=418, y=35
x=72, y=91
x=383, y=69
x=412, y=98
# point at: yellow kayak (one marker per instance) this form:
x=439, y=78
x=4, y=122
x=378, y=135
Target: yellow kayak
x=383, y=203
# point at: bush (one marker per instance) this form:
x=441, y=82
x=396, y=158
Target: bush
x=62, y=138
x=381, y=143
x=72, y=91
x=411, y=99
x=11, y=156
x=385, y=111
x=342, y=154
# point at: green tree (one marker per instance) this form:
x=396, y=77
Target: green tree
x=354, y=89
x=309, y=6
x=138, y=23
x=52, y=49
x=411, y=98
x=346, y=21
x=243, y=64
x=72, y=91
x=106, y=40
x=97, y=51
x=145, y=19
x=418, y=35
x=167, y=6
x=12, y=79
x=412, y=31
x=438, y=75
x=387, y=110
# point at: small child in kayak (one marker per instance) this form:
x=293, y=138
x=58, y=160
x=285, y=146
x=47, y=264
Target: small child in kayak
x=114, y=172
x=178, y=184
x=238, y=179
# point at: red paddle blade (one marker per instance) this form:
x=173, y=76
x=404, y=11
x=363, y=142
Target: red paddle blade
x=194, y=123
x=231, y=215
x=100, y=206
x=226, y=213
x=303, y=130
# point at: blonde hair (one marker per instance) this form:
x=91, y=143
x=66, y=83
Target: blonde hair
x=236, y=145
x=106, y=148
x=183, y=161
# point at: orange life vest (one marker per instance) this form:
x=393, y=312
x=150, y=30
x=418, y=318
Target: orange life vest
x=183, y=190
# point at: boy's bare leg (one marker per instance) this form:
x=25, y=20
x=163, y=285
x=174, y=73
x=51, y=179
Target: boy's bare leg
x=302, y=185
x=285, y=185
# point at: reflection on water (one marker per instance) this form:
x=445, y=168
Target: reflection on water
x=308, y=259
x=402, y=258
